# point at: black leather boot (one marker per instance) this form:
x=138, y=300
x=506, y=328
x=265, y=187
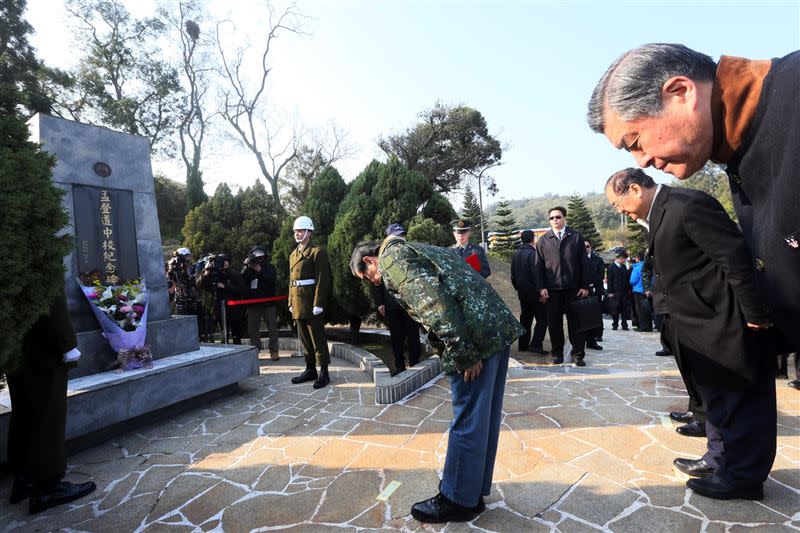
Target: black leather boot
x=323, y=379
x=310, y=374
x=21, y=490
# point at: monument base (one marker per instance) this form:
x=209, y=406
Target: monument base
x=165, y=338
x=104, y=399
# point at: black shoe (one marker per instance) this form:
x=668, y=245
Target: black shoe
x=323, y=378
x=694, y=467
x=537, y=350
x=683, y=418
x=557, y=360
x=663, y=353
x=614, y=328
x=310, y=374
x=397, y=371
x=795, y=384
x=649, y=330
x=21, y=490
x=714, y=487
x=59, y=494
x=598, y=339
x=439, y=509
x=692, y=429
x=593, y=345
x=624, y=328
x=579, y=361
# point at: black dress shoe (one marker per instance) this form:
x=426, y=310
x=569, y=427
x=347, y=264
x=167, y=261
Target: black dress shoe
x=59, y=494
x=694, y=467
x=593, y=345
x=714, y=487
x=577, y=358
x=795, y=384
x=624, y=328
x=663, y=353
x=310, y=374
x=21, y=490
x=439, y=509
x=557, y=360
x=692, y=429
x=323, y=378
x=537, y=350
x=683, y=418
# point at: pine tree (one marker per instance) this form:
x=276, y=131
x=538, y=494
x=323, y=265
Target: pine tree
x=636, y=240
x=504, y=242
x=580, y=219
x=471, y=212
x=31, y=213
x=195, y=195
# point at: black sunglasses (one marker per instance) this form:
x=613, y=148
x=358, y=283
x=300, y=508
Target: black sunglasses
x=556, y=217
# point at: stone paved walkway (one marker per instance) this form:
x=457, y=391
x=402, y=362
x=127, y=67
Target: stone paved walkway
x=579, y=452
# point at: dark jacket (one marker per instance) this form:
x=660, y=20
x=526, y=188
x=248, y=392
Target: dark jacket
x=764, y=176
x=234, y=285
x=50, y=337
x=260, y=284
x=597, y=273
x=705, y=282
x=562, y=265
x=523, y=273
x=384, y=297
x=619, y=280
x=474, y=249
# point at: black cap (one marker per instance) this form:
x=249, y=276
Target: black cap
x=395, y=229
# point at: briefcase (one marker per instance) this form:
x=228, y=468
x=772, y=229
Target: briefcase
x=586, y=313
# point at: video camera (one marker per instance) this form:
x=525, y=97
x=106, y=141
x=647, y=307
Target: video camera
x=258, y=255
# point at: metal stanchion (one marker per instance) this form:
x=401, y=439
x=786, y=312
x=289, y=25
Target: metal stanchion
x=224, y=322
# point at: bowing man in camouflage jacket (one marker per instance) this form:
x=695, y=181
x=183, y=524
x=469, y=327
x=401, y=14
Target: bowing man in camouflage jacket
x=450, y=299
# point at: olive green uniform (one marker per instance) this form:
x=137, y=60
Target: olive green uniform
x=309, y=286
x=38, y=390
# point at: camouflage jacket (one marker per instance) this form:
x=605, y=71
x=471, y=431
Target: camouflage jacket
x=450, y=299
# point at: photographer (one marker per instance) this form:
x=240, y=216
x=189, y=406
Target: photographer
x=184, y=293
x=217, y=279
x=259, y=275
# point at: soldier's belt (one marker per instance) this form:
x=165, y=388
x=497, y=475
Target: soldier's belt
x=302, y=282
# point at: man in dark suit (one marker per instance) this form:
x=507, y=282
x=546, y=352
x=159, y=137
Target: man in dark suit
x=705, y=286
x=523, y=278
x=38, y=389
x=597, y=272
x=618, y=286
x=562, y=276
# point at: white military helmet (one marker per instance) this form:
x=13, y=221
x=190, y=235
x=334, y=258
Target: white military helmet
x=183, y=251
x=303, y=223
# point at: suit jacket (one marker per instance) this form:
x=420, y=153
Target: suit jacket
x=597, y=272
x=474, y=249
x=523, y=273
x=705, y=282
x=309, y=263
x=562, y=265
x=619, y=280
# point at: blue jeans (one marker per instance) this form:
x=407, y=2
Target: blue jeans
x=474, y=431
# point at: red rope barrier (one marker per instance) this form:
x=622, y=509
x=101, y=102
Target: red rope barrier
x=231, y=303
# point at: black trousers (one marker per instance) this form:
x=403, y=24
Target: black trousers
x=557, y=307
x=620, y=309
x=402, y=327
x=530, y=310
x=742, y=431
x=38, y=422
x=668, y=341
x=644, y=311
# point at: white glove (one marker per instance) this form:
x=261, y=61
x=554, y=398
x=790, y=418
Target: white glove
x=72, y=355
x=317, y=311
x=290, y=310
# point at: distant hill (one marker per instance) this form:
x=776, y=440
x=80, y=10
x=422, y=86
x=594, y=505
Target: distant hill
x=532, y=212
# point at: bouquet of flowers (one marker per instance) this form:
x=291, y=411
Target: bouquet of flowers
x=121, y=311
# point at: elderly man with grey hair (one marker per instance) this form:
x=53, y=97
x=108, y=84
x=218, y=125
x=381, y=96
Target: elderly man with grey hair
x=674, y=109
x=705, y=286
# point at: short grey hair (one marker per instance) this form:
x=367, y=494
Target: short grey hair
x=631, y=87
x=622, y=180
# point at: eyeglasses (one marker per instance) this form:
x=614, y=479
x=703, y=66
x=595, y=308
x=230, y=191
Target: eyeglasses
x=588, y=245
x=556, y=217
x=615, y=205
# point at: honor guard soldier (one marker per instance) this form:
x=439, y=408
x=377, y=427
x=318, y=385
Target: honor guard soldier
x=463, y=248
x=309, y=284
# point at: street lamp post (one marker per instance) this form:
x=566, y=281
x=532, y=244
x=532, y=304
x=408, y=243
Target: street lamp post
x=480, y=205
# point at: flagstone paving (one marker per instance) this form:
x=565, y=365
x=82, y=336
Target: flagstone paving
x=579, y=451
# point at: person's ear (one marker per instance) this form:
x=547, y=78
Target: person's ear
x=678, y=88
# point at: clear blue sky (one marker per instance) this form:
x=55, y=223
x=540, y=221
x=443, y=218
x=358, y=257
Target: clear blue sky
x=529, y=67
